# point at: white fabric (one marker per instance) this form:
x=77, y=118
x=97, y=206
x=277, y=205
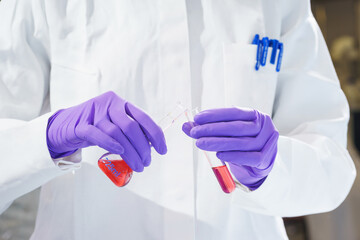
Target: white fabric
x=343, y=222
x=155, y=54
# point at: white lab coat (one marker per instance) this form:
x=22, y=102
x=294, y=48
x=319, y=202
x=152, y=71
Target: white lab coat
x=55, y=54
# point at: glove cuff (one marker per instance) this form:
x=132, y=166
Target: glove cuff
x=54, y=154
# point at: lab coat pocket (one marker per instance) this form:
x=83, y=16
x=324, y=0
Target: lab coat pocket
x=70, y=86
x=244, y=86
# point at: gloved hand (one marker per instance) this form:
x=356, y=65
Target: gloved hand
x=110, y=122
x=246, y=139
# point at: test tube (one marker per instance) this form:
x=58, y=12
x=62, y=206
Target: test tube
x=219, y=168
x=170, y=118
x=116, y=169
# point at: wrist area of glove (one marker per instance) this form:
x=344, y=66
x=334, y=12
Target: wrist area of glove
x=255, y=185
x=251, y=177
x=54, y=153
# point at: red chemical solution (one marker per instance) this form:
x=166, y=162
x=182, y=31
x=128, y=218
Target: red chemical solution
x=116, y=170
x=224, y=178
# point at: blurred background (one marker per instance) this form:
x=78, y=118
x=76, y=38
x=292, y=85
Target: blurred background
x=339, y=21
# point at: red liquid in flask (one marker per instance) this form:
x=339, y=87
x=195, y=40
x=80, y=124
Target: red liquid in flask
x=224, y=178
x=116, y=170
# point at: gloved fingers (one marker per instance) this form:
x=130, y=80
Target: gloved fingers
x=187, y=126
x=225, y=115
x=221, y=144
x=258, y=159
x=251, y=159
x=268, y=151
x=135, y=135
x=95, y=136
x=130, y=155
x=267, y=165
x=227, y=129
x=152, y=131
x=267, y=128
x=257, y=143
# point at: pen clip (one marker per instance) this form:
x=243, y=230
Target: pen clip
x=264, y=52
x=257, y=42
x=281, y=50
x=274, y=44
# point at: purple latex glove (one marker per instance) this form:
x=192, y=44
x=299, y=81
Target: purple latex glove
x=110, y=122
x=246, y=139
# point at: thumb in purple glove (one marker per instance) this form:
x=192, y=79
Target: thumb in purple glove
x=109, y=122
x=246, y=139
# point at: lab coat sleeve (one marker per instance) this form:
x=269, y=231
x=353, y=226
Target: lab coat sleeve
x=25, y=163
x=313, y=171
